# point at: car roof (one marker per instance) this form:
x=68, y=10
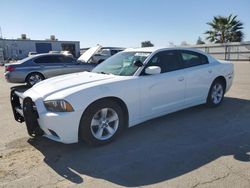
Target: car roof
x=114, y=48
x=155, y=49
x=46, y=54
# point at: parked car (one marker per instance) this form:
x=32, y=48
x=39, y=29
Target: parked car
x=127, y=89
x=104, y=53
x=36, y=68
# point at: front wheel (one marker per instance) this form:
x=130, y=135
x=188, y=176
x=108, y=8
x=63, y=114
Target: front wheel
x=216, y=94
x=101, y=123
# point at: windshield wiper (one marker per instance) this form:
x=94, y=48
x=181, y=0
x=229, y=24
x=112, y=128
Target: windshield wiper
x=103, y=73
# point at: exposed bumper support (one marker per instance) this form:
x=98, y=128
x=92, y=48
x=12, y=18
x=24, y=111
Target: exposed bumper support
x=24, y=109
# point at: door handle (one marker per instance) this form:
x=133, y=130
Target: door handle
x=210, y=71
x=181, y=79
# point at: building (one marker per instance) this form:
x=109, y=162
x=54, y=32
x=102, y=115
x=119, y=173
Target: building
x=20, y=48
x=1, y=57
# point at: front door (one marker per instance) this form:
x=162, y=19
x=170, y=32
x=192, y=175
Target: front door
x=164, y=92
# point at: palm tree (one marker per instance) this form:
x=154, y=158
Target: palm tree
x=225, y=29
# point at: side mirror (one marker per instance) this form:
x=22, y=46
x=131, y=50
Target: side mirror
x=138, y=63
x=152, y=70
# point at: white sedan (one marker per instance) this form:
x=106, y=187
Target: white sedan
x=129, y=88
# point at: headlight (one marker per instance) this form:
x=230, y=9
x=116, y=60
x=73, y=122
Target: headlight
x=58, y=106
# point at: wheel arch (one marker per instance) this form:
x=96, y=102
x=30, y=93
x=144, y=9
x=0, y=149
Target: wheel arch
x=218, y=78
x=118, y=100
x=222, y=79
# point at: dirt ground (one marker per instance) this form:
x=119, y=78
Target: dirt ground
x=197, y=147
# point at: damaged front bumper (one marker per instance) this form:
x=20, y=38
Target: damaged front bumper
x=24, y=110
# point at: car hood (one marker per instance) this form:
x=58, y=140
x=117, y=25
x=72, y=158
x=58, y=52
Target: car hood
x=59, y=83
x=85, y=57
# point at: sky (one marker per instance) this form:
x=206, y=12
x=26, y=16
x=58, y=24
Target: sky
x=124, y=23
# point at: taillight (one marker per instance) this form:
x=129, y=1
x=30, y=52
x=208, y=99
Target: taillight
x=9, y=68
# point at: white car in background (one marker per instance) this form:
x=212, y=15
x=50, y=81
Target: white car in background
x=102, y=53
x=129, y=88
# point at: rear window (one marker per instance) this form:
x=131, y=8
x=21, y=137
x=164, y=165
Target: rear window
x=191, y=59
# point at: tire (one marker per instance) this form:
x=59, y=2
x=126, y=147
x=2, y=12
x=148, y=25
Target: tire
x=34, y=78
x=96, y=128
x=216, y=93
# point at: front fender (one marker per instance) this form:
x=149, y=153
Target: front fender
x=125, y=91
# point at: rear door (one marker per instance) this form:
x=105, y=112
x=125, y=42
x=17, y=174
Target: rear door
x=51, y=65
x=199, y=75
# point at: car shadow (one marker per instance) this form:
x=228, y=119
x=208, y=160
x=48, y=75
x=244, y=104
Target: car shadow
x=159, y=149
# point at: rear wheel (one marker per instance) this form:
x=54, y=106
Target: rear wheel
x=216, y=94
x=34, y=78
x=101, y=123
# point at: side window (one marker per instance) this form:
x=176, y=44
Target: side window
x=44, y=59
x=48, y=59
x=55, y=59
x=191, y=59
x=66, y=59
x=167, y=60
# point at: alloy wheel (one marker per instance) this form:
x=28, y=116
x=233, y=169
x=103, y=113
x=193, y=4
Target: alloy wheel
x=104, y=123
x=217, y=93
x=35, y=78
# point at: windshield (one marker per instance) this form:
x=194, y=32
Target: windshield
x=121, y=63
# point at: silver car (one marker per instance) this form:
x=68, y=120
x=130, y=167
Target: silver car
x=39, y=67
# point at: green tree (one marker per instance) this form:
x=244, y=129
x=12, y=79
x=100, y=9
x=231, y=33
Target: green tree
x=200, y=41
x=225, y=29
x=146, y=44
